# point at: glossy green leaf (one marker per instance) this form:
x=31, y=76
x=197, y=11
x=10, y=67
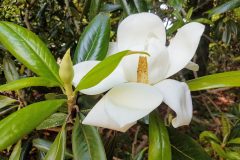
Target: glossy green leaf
x=4, y=101
x=219, y=80
x=28, y=82
x=57, y=149
x=94, y=8
x=86, y=142
x=208, y=136
x=186, y=148
x=159, y=144
x=44, y=146
x=23, y=121
x=9, y=69
x=29, y=50
x=56, y=119
x=93, y=43
x=15, y=155
x=103, y=69
x=229, y=5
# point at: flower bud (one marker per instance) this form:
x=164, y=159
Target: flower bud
x=66, y=72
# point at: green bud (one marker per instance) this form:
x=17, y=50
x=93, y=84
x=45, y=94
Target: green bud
x=66, y=72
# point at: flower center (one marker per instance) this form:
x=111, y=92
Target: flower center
x=142, y=71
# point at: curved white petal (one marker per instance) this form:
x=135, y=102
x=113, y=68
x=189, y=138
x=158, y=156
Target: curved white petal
x=81, y=69
x=112, y=48
x=183, y=46
x=192, y=66
x=177, y=96
x=137, y=28
x=158, y=62
x=98, y=117
x=123, y=105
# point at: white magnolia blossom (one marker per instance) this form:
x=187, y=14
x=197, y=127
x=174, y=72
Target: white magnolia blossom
x=128, y=101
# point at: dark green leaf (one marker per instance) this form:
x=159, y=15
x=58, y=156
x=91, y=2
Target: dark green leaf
x=4, y=101
x=20, y=123
x=185, y=148
x=28, y=82
x=176, y=4
x=159, y=144
x=57, y=149
x=56, y=119
x=102, y=70
x=16, y=151
x=141, y=5
x=229, y=5
x=106, y=7
x=86, y=142
x=219, y=80
x=93, y=44
x=128, y=8
x=44, y=146
x=94, y=8
x=10, y=70
x=29, y=50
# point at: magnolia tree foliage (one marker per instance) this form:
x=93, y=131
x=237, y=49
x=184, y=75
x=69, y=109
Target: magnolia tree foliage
x=117, y=62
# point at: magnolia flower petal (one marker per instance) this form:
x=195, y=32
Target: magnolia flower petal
x=183, y=46
x=158, y=62
x=81, y=69
x=112, y=48
x=123, y=105
x=129, y=102
x=98, y=117
x=192, y=66
x=177, y=96
x=137, y=28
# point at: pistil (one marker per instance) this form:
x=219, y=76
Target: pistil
x=142, y=71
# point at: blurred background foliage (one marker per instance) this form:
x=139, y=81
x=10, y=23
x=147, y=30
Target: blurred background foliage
x=59, y=23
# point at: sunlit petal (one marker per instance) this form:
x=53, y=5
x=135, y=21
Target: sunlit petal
x=177, y=96
x=81, y=69
x=123, y=105
x=137, y=28
x=183, y=46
